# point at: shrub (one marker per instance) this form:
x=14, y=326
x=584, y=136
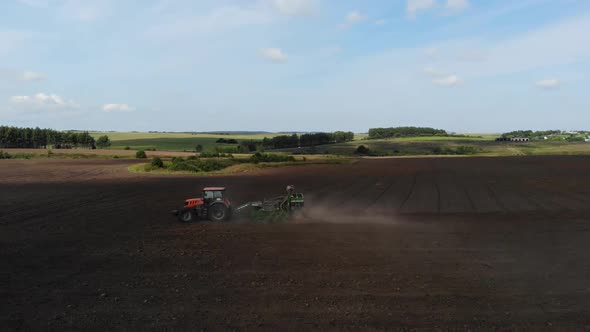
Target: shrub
x=177, y=160
x=227, y=149
x=213, y=165
x=199, y=165
x=4, y=155
x=157, y=162
x=362, y=150
x=466, y=150
x=209, y=155
x=127, y=148
x=150, y=149
x=259, y=157
x=140, y=154
x=573, y=138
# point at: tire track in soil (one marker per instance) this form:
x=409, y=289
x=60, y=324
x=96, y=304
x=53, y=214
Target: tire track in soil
x=472, y=185
x=453, y=196
x=375, y=204
x=424, y=196
x=363, y=194
x=390, y=200
x=325, y=193
x=409, y=192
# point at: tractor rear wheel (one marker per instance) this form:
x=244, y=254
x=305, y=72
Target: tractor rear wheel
x=218, y=212
x=187, y=215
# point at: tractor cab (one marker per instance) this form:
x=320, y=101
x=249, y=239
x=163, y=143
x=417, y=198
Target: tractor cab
x=213, y=194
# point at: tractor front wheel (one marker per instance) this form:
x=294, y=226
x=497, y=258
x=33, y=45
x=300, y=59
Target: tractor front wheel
x=218, y=212
x=187, y=215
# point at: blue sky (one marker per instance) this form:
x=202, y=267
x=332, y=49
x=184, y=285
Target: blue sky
x=286, y=65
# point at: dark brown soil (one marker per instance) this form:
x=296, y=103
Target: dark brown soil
x=457, y=243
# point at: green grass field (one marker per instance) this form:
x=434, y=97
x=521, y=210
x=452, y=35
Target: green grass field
x=178, y=141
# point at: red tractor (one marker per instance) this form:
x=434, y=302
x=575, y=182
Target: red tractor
x=212, y=206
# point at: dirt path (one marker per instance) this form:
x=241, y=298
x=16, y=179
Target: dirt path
x=468, y=243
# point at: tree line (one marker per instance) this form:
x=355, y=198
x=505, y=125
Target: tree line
x=14, y=137
x=531, y=134
x=376, y=133
x=227, y=141
x=306, y=140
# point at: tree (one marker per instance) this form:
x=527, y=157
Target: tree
x=103, y=142
x=157, y=162
x=376, y=133
x=199, y=148
x=362, y=150
x=140, y=154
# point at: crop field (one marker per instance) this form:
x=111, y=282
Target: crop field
x=417, y=243
x=172, y=141
x=180, y=141
x=484, y=144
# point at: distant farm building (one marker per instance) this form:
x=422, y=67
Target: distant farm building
x=509, y=139
x=587, y=140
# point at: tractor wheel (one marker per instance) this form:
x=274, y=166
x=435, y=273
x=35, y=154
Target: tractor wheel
x=218, y=212
x=187, y=215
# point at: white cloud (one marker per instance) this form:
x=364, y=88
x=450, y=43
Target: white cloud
x=380, y=22
x=43, y=100
x=273, y=54
x=117, y=108
x=33, y=76
x=355, y=17
x=296, y=7
x=415, y=6
x=457, y=5
x=451, y=80
x=548, y=84
x=440, y=78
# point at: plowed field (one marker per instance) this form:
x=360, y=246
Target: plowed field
x=466, y=243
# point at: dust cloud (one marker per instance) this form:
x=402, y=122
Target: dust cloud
x=324, y=214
